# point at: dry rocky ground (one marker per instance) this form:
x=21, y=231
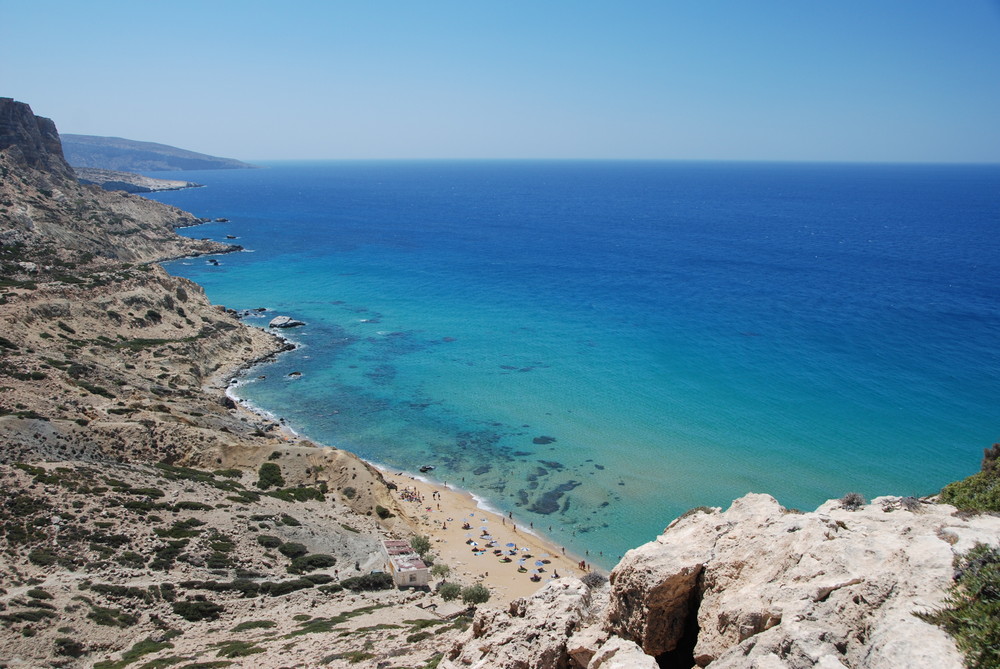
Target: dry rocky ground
x=114, y=565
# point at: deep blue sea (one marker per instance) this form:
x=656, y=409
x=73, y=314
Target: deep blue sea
x=599, y=346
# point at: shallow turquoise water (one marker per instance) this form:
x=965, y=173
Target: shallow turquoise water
x=685, y=332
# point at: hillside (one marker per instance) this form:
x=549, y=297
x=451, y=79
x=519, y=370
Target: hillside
x=113, y=373
x=126, y=155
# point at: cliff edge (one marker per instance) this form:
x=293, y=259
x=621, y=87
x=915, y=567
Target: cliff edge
x=755, y=586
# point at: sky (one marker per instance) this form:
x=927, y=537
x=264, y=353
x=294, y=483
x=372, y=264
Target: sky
x=844, y=80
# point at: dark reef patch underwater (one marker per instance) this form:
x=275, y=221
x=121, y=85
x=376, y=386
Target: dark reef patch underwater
x=628, y=290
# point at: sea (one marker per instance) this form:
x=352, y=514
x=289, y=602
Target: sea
x=595, y=347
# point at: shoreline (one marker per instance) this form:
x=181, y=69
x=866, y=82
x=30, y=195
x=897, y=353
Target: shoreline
x=437, y=510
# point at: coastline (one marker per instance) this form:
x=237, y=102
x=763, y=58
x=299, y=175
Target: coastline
x=438, y=509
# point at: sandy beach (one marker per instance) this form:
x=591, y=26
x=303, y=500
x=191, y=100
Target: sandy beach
x=442, y=512
x=456, y=526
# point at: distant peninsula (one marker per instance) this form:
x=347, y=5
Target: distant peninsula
x=126, y=155
x=128, y=181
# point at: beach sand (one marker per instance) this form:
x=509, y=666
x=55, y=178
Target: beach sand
x=441, y=513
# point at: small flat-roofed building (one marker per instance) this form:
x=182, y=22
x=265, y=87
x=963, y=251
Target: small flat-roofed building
x=406, y=567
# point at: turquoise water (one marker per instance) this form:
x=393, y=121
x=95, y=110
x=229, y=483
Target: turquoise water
x=685, y=332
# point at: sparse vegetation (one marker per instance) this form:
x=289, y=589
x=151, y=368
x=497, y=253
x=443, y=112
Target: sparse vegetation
x=852, y=501
x=253, y=625
x=979, y=492
x=593, y=579
x=376, y=581
x=197, y=609
x=971, y=613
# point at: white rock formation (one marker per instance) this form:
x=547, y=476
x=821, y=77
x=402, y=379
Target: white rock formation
x=533, y=632
x=770, y=588
x=754, y=587
x=618, y=653
x=284, y=322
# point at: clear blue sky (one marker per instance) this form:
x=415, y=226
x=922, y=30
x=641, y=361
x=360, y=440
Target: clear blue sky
x=858, y=80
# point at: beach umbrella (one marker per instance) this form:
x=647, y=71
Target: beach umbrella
x=522, y=560
x=511, y=545
x=534, y=572
x=476, y=544
x=539, y=563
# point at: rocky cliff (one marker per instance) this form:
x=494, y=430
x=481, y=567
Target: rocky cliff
x=755, y=586
x=31, y=140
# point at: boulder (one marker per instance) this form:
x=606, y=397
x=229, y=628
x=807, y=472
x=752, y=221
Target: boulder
x=531, y=633
x=620, y=653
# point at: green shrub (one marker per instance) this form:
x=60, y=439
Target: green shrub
x=253, y=625
x=187, y=505
x=289, y=521
x=979, y=492
x=307, y=563
x=198, y=609
x=131, y=559
x=450, y=591
x=971, y=613
x=236, y=648
x=440, y=570
x=292, y=549
x=475, y=594
x=69, y=647
x=301, y=494
x=267, y=541
x=284, y=587
x=270, y=476
x=350, y=492
x=43, y=557
x=377, y=581
x=383, y=512
x=420, y=544
x=111, y=617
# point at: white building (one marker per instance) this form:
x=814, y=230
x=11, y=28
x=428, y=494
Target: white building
x=406, y=567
